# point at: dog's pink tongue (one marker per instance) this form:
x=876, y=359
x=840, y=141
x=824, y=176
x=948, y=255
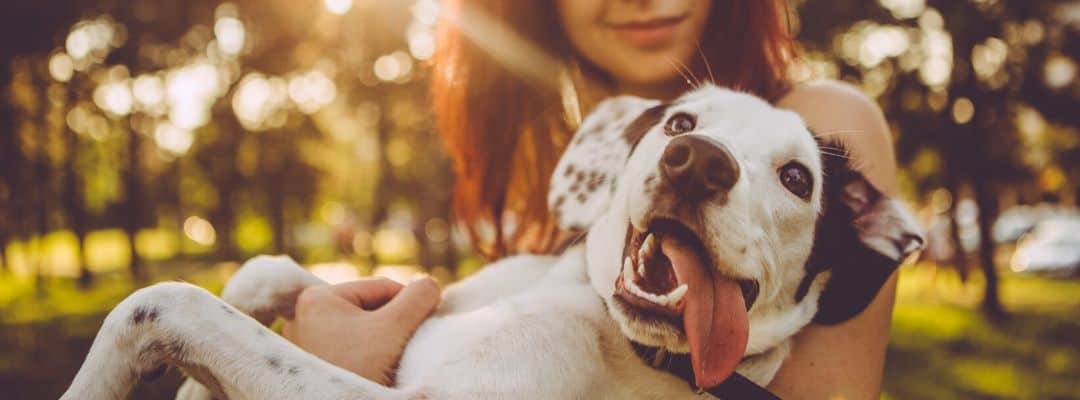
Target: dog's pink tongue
x=714, y=316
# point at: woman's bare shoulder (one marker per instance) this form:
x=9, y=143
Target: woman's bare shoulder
x=844, y=360
x=839, y=110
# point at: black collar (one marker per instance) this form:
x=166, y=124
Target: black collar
x=734, y=387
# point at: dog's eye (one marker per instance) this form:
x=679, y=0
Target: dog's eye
x=796, y=178
x=679, y=123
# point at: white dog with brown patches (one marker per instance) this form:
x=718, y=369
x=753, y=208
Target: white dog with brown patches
x=717, y=227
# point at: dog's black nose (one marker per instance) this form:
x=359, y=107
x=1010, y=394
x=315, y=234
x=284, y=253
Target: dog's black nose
x=699, y=168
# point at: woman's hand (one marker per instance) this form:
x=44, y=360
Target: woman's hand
x=362, y=326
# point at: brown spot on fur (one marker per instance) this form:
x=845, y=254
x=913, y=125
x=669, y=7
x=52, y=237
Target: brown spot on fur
x=144, y=314
x=643, y=123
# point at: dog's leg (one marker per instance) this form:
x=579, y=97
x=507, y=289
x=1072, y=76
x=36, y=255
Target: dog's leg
x=232, y=354
x=265, y=287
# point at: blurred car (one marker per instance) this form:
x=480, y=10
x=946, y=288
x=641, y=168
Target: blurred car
x=1051, y=248
x=1018, y=221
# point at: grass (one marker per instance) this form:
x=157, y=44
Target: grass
x=941, y=348
x=45, y=334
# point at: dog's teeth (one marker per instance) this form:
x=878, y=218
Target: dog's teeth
x=649, y=244
x=646, y=252
x=628, y=272
x=671, y=298
x=633, y=288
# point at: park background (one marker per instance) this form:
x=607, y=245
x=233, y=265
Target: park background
x=146, y=140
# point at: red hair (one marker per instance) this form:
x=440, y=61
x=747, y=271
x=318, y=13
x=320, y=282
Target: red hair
x=505, y=132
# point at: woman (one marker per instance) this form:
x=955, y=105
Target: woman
x=494, y=111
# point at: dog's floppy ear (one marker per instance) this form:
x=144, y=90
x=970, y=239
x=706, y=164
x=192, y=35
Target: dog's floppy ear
x=585, y=177
x=862, y=238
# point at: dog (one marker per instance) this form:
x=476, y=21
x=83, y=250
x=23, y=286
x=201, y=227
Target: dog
x=714, y=227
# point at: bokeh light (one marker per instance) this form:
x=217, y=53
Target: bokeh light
x=61, y=67
x=426, y=11
x=904, y=9
x=338, y=6
x=393, y=67
x=199, y=230
x=937, y=67
x=230, y=35
x=963, y=110
x=191, y=90
x=149, y=93
x=1059, y=71
x=312, y=91
x=177, y=141
x=115, y=98
x=259, y=101
x=422, y=45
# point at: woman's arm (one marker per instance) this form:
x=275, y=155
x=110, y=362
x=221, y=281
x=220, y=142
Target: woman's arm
x=845, y=360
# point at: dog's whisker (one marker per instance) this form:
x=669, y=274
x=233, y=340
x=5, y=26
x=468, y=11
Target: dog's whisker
x=712, y=77
x=838, y=155
x=680, y=71
x=840, y=132
x=697, y=82
x=832, y=150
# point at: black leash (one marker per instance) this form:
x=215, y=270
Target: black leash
x=735, y=387
x=738, y=387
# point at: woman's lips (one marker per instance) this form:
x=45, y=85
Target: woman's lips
x=648, y=33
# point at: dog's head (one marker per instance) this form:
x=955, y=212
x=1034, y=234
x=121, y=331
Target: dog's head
x=718, y=223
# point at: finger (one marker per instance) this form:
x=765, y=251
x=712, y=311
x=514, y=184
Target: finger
x=288, y=330
x=415, y=302
x=368, y=294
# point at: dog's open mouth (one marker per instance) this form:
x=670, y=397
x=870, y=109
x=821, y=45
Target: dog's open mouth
x=667, y=275
x=647, y=280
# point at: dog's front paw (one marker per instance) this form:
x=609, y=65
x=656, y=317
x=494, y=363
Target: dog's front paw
x=267, y=286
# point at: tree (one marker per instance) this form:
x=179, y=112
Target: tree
x=952, y=76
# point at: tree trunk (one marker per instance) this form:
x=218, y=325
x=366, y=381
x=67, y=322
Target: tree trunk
x=277, y=216
x=76, y=209
x=987, y=201
x=274, y=164
x=42, y=184
x=959, y=255
x=228, y=180
x=8, y=167
x=131, y=206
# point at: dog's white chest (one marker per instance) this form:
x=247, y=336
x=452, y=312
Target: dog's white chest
x=557, y=329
